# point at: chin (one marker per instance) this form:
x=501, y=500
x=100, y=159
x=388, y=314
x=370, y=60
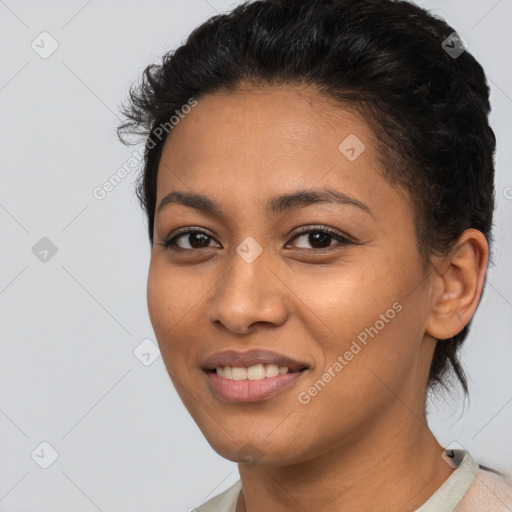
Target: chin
x=252, y=448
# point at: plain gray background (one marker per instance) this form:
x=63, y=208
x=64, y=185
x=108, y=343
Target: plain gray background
x=70, y=321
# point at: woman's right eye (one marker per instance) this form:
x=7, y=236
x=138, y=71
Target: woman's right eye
x=195, y=239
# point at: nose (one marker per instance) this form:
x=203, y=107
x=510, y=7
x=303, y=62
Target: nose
x=249, y=293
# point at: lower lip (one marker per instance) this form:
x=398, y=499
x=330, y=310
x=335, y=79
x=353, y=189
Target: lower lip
x=250, y=390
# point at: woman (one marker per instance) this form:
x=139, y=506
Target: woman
x=318, y=181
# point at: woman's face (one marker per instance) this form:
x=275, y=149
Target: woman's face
x=351, y=306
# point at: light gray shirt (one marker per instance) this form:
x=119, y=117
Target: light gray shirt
x=468, y=489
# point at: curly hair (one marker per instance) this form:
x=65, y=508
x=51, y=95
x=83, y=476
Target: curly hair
x=384, y=58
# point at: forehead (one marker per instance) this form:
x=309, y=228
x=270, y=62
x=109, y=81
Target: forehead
x=265, y=122
x=257, y=141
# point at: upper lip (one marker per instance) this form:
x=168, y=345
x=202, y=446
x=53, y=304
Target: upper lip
x=250, y=358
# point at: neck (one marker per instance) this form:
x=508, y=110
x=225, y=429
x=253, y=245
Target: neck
x=396, y=464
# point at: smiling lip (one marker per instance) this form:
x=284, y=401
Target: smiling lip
x=250, y=358
x=250, y=390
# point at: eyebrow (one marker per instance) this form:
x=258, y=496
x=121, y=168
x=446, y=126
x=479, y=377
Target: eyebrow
x=274, y=206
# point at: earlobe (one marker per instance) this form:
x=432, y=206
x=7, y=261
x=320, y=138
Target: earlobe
x=458, y=287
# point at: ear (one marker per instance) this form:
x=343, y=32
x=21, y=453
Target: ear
x=458, y=286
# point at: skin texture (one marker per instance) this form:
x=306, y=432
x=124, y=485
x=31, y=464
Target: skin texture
x=363, y=439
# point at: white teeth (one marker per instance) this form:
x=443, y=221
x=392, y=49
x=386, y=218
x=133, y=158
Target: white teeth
x=256, y=372
x=239, y=373
x=225, y=372
x=272, y=370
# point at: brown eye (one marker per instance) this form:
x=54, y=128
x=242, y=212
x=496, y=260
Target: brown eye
x=321, y=238
x=195, y=239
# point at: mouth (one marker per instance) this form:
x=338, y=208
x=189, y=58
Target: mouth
x=251, y=375
x=255, y=372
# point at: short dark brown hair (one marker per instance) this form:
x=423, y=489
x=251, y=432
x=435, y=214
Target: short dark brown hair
x=428, y=109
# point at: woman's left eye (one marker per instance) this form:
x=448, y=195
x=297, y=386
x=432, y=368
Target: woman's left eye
x=322, y=236
x=319, y=237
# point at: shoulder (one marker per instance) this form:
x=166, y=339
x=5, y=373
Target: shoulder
x=489, y=491
x=224, y=502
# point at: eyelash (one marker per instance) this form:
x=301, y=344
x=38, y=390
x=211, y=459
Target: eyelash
x=170, y=243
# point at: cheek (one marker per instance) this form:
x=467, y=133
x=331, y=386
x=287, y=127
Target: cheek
x=175, y=299
x=349, y=297
x=370, y=311
x=159, y=299
x=167, y=305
